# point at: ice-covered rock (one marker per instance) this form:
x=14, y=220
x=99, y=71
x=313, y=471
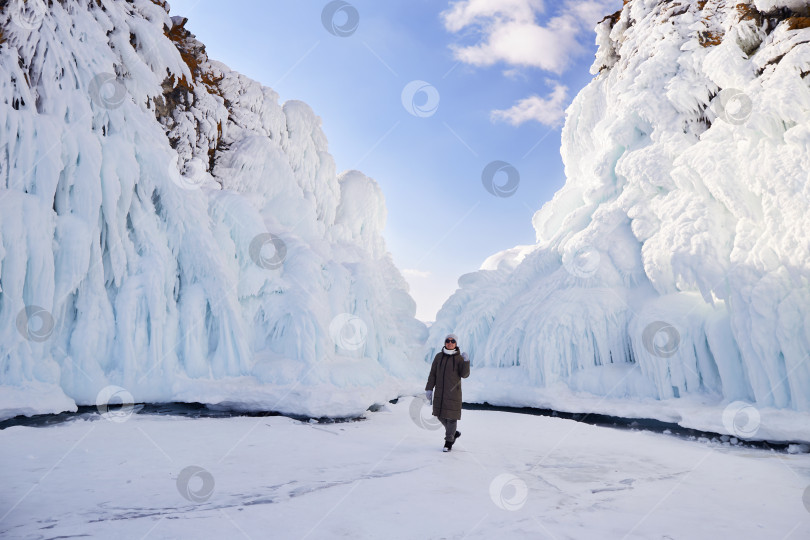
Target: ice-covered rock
x=166, y=226
x=677, y=254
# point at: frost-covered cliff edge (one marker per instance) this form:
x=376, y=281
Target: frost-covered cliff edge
x=169, y=232
x=671, y=274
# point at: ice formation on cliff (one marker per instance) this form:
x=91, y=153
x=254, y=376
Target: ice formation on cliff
x=674, y=263
x=166, y=226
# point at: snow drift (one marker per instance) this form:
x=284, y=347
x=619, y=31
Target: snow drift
x=671, y=273
x=169, y=232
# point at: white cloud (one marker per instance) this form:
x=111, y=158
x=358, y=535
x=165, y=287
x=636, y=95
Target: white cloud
x=511, y=33
x=549, y=111
x=466, y=12
x=409, y=272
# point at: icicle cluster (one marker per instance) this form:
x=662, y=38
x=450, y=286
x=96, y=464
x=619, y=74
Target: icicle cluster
x=675, y=261
x=168, y=228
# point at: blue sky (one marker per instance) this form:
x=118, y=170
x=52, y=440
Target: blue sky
x=478, y=56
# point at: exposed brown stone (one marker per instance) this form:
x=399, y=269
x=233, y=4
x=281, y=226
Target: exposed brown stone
x=798, y=23
x=749, y=13
x=710, y=39
x=193, y=54
x=179, y=93
x=614, y=18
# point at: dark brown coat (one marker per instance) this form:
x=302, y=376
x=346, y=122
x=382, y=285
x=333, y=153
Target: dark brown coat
x=446, y=373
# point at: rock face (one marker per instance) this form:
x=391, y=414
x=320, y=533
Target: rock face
x=675, y=261
x=167, y=227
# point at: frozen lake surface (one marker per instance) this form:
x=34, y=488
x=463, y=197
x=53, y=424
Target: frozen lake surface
x=509, y=476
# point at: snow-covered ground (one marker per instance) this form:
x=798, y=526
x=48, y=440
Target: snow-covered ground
x=509, y=476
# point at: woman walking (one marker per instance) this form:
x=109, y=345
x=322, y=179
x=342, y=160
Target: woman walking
x=446, y=372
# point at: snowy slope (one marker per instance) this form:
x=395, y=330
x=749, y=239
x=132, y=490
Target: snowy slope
x=674, y=265
x=167, y=227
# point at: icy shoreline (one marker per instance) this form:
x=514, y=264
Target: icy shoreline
x=583, y=415
x=702, y=413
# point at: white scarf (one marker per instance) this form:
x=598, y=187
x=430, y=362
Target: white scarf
x=445, y=350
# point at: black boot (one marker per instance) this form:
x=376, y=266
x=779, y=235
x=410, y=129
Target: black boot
x=458, y=434
x=447, y=446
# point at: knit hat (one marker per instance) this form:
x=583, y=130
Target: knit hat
x=451, y=336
